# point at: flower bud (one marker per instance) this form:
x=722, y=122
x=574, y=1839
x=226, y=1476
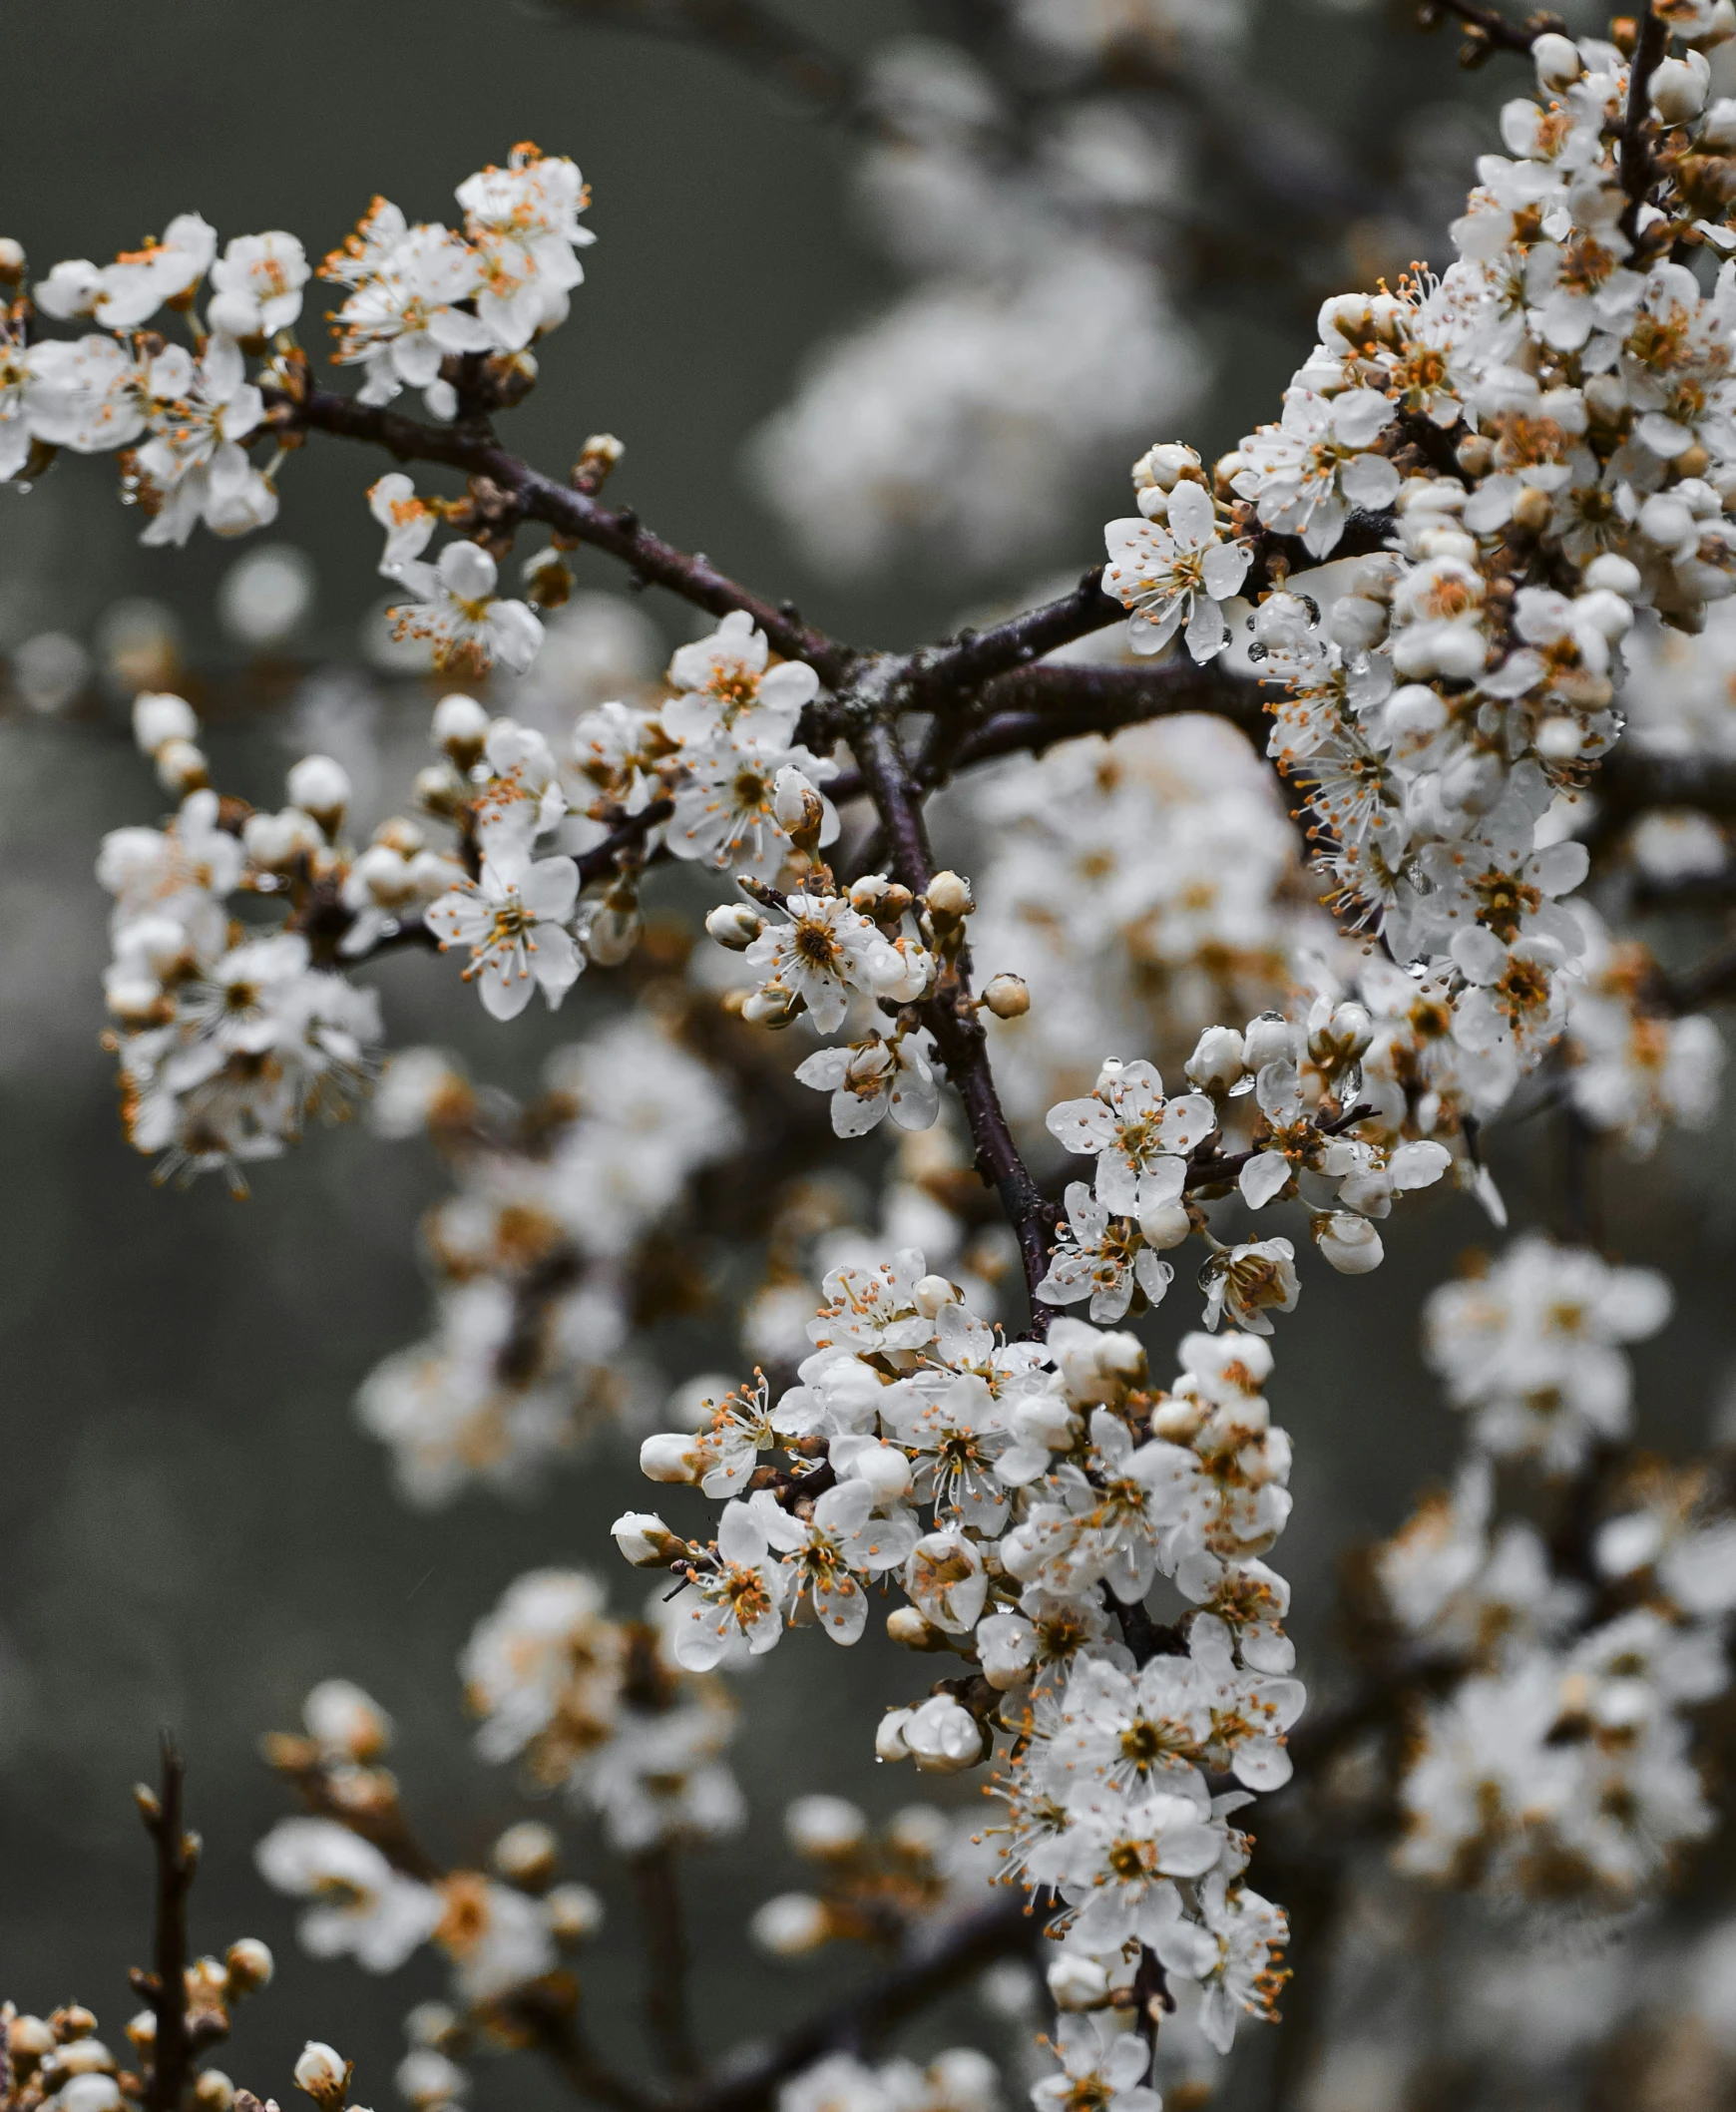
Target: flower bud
x=213, y=2091
x=140, y=2029
x=1165, y=464
x=931, y=1293
x=646, y=1542
x=322, y=2073
x=460, y=727
x=1165, y=1226
x=885, y=1469
x=1610, y=573
x=574, y=1912
x=790, y=1926
x=1006, y=1650
x=919, y=1832
x=345, y=1720
x=1718, y=134
x=28, y=2040
x=159, y=716
x=274, y=841
x=1350, y=1243
x=906, y=1627
x=1006, y=996
x=526, y=1855
x=1557, y=59
x=11, y=261
x=1342, y=1035
x=949, y=897
x=734, y=925
x=1665, y=521
x=771, y=1005
x=668, y=1455
x=1177, y=1419
x=941, y=1737
x=248, y=1966
x=1076, y=1982
x=824, y=1826
x=1216, y=1063
x=321, y=787
x=1269, y=1040
x=889, y=1733
x=439, y=789
x=181, y=768
x=1678, y=89
x=426, y=2077
x=798, y=807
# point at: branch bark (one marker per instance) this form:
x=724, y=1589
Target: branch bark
x=614, y=531
x=666, y=1960
x=854, y=2025
x=950, y=1015
x=165, y=1987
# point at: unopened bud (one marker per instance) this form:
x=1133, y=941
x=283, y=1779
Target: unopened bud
x=12, y=265
x=321, y=787
x=646, y=1542
x=1269, y=1040
x=322, y=2073
x=1531, y=510
x=943, y=1737
x=668, y=1455
x=526, y=1855
x=824, y=1826
x=28, y=2040
x=734, y=925
x=1557, y=59
x=1076, y=1982
x=889, y=1734
x=439, y=789
x=1165, y=464
x=931, y=1293
x=460, y=726
x=1177, y=1419
x=142, y=2029
x=797, y=806
x=771, y=1005
x=182, y=768
x=1217, y=1061
x=213, y=2091
x=1678, y=89
x=906, y=1627
x=548, y=582
x=596, y=458
x=1350, y=1243
x=159, y=716
x=1006, y=996
x=1165, y=1224
x=949, y=897
x=792, y=1925
x=575, y=1913
x=248, y=1966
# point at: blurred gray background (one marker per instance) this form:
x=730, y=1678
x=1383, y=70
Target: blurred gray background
x=191, y=1529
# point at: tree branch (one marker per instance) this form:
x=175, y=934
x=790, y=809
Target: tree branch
x=753, y=37
x=923, y=1976
x=1637, y=165
x=617, y=531
x=950, y=1015
x=666, y=1960
x=1487, y=28
x=164, y=1988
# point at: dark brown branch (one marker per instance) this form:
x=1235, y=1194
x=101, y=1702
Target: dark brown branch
x=666, y=1960
x=165, y=1987
x=556, y=2032
x=1004, y=1928
x=964, y=663
x=1487, y=28
x=1636, y=160
x=762, y=43
x=614, y=531
x=950, y=1015
x=377, y=1819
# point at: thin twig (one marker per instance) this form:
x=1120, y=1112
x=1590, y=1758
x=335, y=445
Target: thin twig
x=950, y=1015
x=164, y=1988
x=1490, y=29
x=616, y=530
x=995, y=1932
x=555, y=2029
x=666, y=1959
x=1636, y=163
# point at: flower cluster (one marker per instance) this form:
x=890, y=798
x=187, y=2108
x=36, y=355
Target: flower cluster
x=1026, y=1496
x=1532, y=1349
x=535, y=1251
x=374, y=1895
x=228, y=1036
x=1559, y=1761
